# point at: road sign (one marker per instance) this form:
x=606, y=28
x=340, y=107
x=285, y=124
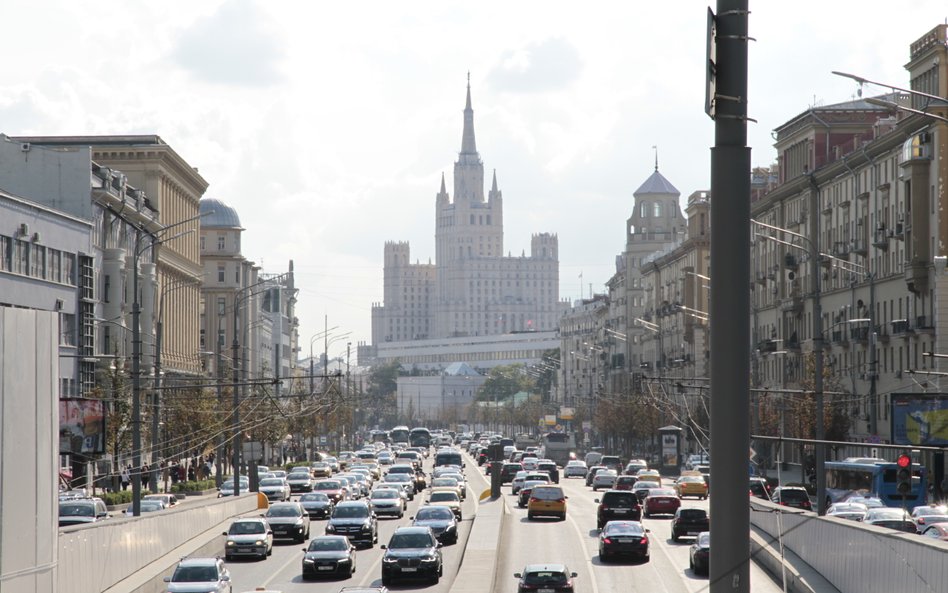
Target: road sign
x=558, y=428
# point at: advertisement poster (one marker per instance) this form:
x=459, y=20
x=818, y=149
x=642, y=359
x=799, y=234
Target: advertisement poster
x=919, y=419
x=81, y=426
x=670, y=450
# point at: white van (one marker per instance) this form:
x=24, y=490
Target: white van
x=593, y=458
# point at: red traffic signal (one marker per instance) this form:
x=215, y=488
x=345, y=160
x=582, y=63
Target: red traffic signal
x=904, y=460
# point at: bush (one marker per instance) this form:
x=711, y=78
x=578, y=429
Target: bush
x=193, y=486
x=117, y=498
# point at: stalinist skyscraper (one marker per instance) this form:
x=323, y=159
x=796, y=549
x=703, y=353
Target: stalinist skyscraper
x=472, y=289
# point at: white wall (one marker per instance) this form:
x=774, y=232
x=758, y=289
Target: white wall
x=29, y=464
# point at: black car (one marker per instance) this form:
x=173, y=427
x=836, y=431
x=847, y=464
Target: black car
x=412, y=553
x=699, y=554
x=621, y=538
x=441, y=520
x=550, y=468
x=508, y=471
x=620, y=505
x=317, y=504
x=792, y=496
x=329, y=555
x=545, y=577
x=355, y=520
x=689, y=522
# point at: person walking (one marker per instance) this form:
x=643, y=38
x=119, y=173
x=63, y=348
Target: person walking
x=126, y=476
x=146, y=476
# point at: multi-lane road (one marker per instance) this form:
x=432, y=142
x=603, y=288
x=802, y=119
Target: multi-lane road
x=573, y=542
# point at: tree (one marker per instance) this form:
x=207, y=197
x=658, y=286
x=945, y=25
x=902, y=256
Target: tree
x=503, y=382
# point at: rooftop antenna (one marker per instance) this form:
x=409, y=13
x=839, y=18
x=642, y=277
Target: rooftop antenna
x=655, y=148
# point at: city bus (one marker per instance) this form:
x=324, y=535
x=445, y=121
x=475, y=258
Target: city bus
x=420, y=437
x=873, y=478
x=399, y=434
x=380, y=436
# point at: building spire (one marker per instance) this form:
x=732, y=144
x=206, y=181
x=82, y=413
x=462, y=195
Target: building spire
x=468, y=146
x=493, y=188
x=655, y=148
x=443, y=189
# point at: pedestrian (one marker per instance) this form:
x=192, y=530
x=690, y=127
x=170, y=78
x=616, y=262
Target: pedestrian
x=146, y=476
x=126, y=476
x=191, y=473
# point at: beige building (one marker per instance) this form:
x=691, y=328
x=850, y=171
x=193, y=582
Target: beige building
x=473, y=288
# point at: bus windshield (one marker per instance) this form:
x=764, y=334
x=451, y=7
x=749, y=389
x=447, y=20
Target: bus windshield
x=420, y=437
x=399, y=434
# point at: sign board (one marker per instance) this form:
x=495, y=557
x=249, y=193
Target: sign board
x=670, y=450
x=919, y=419
x=550, y=420
x=81, y=425
x=587, y=425
x=567, y=413
x=252, y=451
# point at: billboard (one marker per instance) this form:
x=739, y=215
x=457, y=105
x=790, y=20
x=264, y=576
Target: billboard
x=81, y=425
x=919, y=419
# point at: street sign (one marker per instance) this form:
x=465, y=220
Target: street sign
x=551, y=419
x=567, y=413
x=558, y=428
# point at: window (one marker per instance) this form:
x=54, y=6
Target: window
x=55, y=265
x=203, y=244
x=220, y=272
x=6, y=253
x=221, y=306
x=69, y=267
x=237, y=274
x=220, y=337
x=38, y=261
x=643, y=211
x=220, y=242
x=22, y=258
x=657, y=209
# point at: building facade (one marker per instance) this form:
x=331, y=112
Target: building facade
x=472, y=289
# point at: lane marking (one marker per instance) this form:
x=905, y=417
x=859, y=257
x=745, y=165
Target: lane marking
x=589, y=563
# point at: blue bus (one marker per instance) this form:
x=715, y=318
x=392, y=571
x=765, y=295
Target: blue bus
x=399, y=434
x=873, y=478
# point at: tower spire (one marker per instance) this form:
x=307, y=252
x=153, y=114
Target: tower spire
x=655, y=148
x=468, y=146
x=493, y=188
x=443, y=189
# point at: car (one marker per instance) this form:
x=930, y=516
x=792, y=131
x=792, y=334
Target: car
x=321, y=469
x=545, y=577
x=169, y=500
x=387, y=501
x=147, y=506
x=508, y=471
x=207, y=575
x=547, y=500
x=649, y=474
x=604, y=479
x=634, y=466
x=457, y=475
x=529, y=463
x=792, y=496
x=447, y=498
x=853, y=511
x=929, y=514
x=760, y=488
x=404, y=481
x=448, y=483
x=355, y=520
x=300, y=481
x=593, y=470
x=871, y=502
x=227, y=487
x=288, y=520
x=317, y=504
x=248, y=537
x=336, y=490
x=79, y=511
x=329, y=555
x=334, y=463
x=352, y=486
x=937, y=531
x=691, y=486
x=617, y=505
x=550, y=468
x=440, y=520
x=517, y=481
x=523, y=497
x=892, y=518
x=275, y=489
x=618, y=538
x=612, y=462
x=660, y=501
x=641, y=488
x=575, y=468
x=412, y=553
x=277, y=473
x=697, y=459
x=625, y=482
x=689, y=522
x=699, y=554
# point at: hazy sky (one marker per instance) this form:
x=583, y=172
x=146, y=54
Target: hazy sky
x=327, y=125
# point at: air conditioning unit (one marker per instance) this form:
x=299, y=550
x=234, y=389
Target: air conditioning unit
x=60, y=304
x=25, y=146
x=24, y=229
x=36, y=237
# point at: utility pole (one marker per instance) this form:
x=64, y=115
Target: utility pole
x=730, y=300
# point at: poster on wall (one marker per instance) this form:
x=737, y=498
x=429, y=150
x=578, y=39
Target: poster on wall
x=670, y=450
x=919, y=419
x=81, y=425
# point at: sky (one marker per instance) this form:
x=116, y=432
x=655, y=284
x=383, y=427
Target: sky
x=328, y=125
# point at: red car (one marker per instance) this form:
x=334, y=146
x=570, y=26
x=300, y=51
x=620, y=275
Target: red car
x=625, y=482
x=660, y=501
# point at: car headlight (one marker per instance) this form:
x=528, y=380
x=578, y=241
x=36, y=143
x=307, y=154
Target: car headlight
x=430, y=558
x=388, y=560
x=307, y=560
x=259, y=542
x=299, y=522
x=330, y=528
x=231, y=542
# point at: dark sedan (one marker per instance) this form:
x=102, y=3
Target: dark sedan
x=699, y=553
x=689, y=523
x=412, y=553
x=441, y=520
x=329, y=555
x=355, y=520
x=623, y=538
x=317, y=504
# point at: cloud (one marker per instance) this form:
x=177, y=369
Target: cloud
x=237, y=45
x=541, y=66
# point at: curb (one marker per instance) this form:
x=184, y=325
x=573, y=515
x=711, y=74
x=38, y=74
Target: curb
x=479, y=564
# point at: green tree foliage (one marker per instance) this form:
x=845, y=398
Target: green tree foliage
x=503, y=382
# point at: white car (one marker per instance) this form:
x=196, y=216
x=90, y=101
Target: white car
x=575, y=468
x=248, y=537
x=275, y=489
x=605, y=479
x=199, y=574
x=517, y=483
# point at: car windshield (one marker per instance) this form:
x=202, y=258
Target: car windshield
x=693, y=514
x=443, y=496
x=243, y=527
x=76, y=510
x=328, y=545
x=380, y=494
x=645, y=485
x=433, y=513
x=410, y=540
x=606, y=473
x=397, y=478
x=793, y=495
x=544, y=493
x=623, y=528
x=278, y=511
x=661, y=492
x=694, y=479
x=444, y=483
x=544, y=577
x=619, y=499
x=271, y=482
x=334, y=485
x=354, y=512
x=194, y=574
x=314, y=497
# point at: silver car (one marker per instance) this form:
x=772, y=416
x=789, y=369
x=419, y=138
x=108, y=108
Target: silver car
x=275, y=489
x=248, y=537
x=604, y=479
x=206, y=575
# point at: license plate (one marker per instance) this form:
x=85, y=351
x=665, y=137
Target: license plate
x=621, y=511
x=545, y=591
x=324, y=568
x=409, y=569
x=624, y=540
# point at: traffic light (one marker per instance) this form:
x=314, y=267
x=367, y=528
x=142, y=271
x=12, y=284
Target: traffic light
x=903, y=476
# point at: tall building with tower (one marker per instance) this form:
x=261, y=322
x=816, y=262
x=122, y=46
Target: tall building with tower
x=472, y=289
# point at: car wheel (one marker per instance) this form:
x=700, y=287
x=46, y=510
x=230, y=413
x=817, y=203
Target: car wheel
x=529, y=516
x=270, y=550
x=674, y=537
x=602, y=556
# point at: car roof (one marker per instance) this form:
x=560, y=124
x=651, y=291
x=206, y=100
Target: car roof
x=412, y=529
x=545, y=568
x=352, y=503
x=198, y=562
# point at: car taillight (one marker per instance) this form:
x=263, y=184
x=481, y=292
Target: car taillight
x=605, y=508
x=606, y=540
x=644, y=539
x=561, y=500
x=532, y=499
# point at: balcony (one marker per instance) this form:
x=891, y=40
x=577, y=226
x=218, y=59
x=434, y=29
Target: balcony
x=767, y=346
x=881, y=333
x=880, y=239
x=792, y=304
x=900, y=327
x=838, y=336
x=841, y=249
x=924, y=325
x=859, y=247
x=859, y=334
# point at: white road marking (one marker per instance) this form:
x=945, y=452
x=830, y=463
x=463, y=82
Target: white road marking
x=589, y=563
